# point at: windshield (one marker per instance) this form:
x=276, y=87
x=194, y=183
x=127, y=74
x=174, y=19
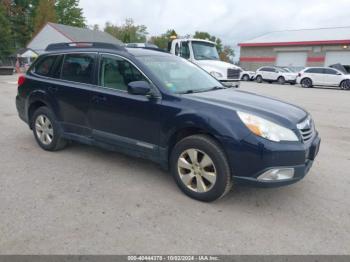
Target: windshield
x=179, y=75
x=204, y=51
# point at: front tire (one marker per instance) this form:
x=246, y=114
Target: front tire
x=46, y=130
x=200, y=168
x=345, y=85
x=245, y=78
x=306, y=83
x=259, y=79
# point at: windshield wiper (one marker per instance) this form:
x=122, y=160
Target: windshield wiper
x=191, y=91
x=217, y=88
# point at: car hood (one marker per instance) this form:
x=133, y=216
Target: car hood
x=272, y=109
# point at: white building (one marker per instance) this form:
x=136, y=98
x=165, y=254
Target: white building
x=57, y=33
x=305, y=47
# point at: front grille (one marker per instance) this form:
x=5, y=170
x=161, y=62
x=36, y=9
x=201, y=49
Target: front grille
x=307, y=129
x=233, y=73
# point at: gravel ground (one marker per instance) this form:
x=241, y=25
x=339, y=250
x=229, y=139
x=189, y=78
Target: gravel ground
x=85, y=200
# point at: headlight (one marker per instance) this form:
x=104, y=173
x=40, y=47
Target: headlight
x=267, y=129
x=216, y=74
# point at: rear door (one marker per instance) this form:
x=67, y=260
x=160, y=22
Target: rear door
x=74, y=74
x=274, y=74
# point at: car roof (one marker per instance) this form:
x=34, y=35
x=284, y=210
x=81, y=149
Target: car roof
x=103, y=47
x=146, y=52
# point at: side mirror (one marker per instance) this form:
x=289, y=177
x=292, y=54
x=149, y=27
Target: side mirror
x=139, y=88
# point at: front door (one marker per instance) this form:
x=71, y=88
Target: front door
x=130, y=122
x=332, y=77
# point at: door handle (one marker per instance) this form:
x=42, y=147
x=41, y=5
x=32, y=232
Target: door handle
x=99, y=98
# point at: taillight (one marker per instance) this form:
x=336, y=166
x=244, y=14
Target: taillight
x=21, y=80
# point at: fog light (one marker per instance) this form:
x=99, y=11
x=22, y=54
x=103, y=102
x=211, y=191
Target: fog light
x=277, y=174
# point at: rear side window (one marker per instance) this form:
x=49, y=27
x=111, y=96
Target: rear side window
x=44, y=66
x=78, y=68
x=315, y=71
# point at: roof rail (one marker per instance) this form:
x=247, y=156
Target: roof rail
x=148, y=48
x=73, y=45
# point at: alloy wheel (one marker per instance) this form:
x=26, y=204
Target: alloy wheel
x=197, y=170
x=44, y=129
x=306, y=83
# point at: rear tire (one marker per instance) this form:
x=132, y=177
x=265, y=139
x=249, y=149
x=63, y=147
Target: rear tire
x=200, y=168
x=46, y=130
x=306, y=83
x=281, y=80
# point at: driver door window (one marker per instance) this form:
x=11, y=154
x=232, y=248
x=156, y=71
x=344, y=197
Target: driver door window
x=117, y=73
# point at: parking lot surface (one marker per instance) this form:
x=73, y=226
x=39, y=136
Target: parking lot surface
x=85, y=200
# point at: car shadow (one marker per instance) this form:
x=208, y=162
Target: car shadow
x=243, y=196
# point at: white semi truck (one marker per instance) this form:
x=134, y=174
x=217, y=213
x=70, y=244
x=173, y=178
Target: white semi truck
x=205, y=55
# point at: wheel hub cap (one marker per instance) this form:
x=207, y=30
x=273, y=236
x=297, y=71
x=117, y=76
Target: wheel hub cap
x=197, y=170
x=44, y=129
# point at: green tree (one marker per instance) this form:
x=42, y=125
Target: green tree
x=68, y=12
x=163, y=40
x=6, y=44
x=128, y=32
x=45, y=12
x=19, y=15
x=207, y=36
x=227, y=54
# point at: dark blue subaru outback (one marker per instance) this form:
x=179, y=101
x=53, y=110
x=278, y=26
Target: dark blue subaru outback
x=161, y=107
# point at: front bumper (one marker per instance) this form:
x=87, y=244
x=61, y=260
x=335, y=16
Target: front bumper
x=230, y=83
x=257, y=158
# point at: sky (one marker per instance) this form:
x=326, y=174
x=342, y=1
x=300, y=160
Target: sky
x=232, y=20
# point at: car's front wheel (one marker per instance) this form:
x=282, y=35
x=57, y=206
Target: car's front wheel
x=306, y=83
x=46, y=130
x=200, y=168
x=259, y=79
x=281, y=80
x=345, y=85
x=245, y=78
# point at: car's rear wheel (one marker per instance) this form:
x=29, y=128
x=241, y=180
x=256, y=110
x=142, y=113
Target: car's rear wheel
x=306, y=83
x=46, y=130
x=281, y=80
x=259, y=79
x=200, y=168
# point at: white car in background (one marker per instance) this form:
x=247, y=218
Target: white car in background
x=323, y=76
x=275, y=74
x=247, y=75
